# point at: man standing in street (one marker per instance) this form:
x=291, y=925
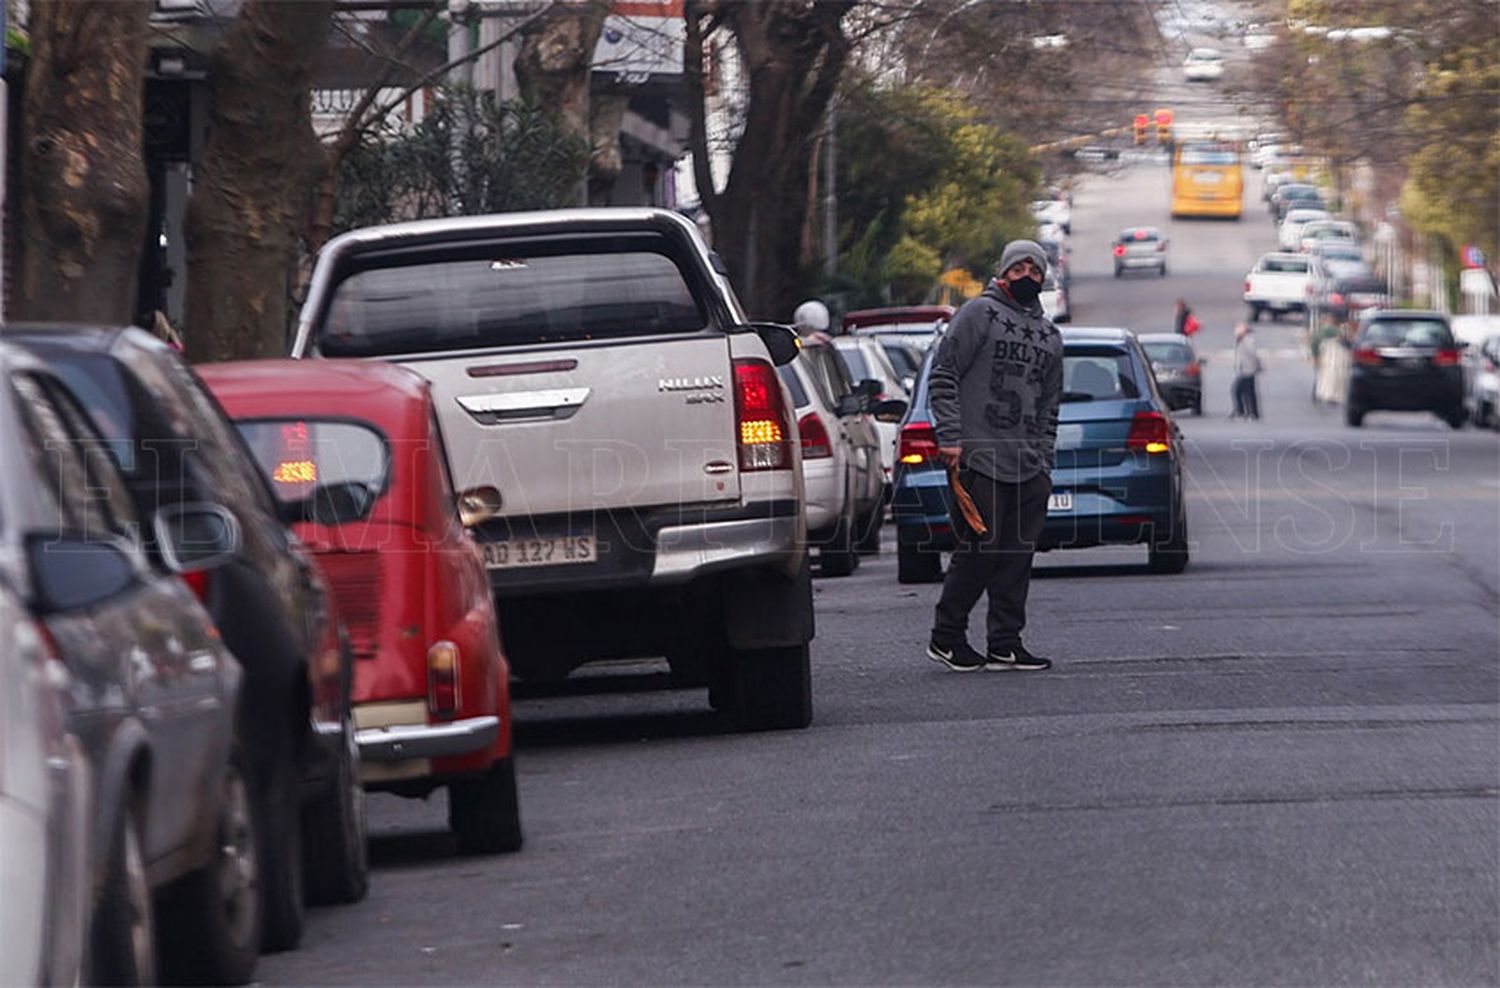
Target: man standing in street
x=1246, y=367
x=995, y=388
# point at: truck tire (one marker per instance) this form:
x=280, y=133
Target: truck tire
x=123, y=933
x=839, y=557
x=1354, y=416
x=213, y=916
x=772, y=688
x=485, y=813
x=869, y=529
x=335, y=859
x=916, y=566
x=282, y=892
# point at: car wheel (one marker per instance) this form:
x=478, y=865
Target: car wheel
x=1198, y=406
x=1170, y=554
x=214, y=915
x=335, y=860
x=123, y=947
x=1457, y=418
x=1354, y=416
x=281, y=858
x=1117, y=271
x=485, y=813
x=869, y=539
x=1255, y=313
x=839, y=557
x=1161, y=272
x=916, y=565
x=772, y=688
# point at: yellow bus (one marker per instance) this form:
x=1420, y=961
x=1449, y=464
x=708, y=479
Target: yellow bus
x=1207, y=179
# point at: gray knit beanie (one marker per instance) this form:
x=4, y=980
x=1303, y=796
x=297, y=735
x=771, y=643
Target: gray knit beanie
x=1020, y=250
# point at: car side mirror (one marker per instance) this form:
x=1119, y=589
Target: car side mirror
x=478, y=505
x=1202, y=361
x=332, y=504
x=781, y=341
x=850, y=404
x=869, y=388
x=71, y=572
x=194, y=536
x=892, y=410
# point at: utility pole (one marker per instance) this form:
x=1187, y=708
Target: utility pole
x=830, y=193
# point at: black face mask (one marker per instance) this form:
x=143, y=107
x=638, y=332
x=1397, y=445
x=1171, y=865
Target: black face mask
x=1025, y=290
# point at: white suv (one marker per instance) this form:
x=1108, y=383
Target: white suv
x=597, y=377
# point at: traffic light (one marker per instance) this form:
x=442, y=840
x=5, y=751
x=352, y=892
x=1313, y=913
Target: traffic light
x=1141, y=123
x=1164, y=125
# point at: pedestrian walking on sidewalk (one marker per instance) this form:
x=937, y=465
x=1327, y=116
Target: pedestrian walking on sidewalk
x=995, y=386
x=1246, y=367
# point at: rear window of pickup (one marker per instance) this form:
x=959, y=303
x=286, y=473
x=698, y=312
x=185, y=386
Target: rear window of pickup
x=510, y=295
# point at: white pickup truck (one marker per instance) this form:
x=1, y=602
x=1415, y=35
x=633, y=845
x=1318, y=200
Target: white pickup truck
x=1277, y=284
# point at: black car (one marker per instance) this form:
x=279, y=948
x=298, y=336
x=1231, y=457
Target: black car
x=1406, y=361
x=1347, y=296
x=175, y=446
x=1178, y=369
x=150, y=692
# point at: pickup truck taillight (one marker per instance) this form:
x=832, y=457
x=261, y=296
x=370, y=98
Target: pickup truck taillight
x=760, y=417
x=815, y=442
x=1247, y=286
x=917, y=443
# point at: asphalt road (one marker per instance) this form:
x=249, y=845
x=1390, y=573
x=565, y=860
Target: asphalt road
x=1280, y=767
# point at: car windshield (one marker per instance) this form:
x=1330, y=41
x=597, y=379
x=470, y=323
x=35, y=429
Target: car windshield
x=1407, y=332
x=1171, y=354
x=793, y=385
x=1204, y=157
x=1140, y=236
x=1097, y=374
x=299, y=454
x=527, y=293
x=902, y=359
x=1338, y=253
x=1284, y=265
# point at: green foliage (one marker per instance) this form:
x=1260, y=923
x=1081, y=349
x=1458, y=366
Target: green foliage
x=469, y=155
x=923, y=186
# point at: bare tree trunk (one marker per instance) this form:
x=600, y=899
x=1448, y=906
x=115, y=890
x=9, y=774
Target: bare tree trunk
x=555, y=61
x=251, y=197
x=794, y=52
x=85, y=199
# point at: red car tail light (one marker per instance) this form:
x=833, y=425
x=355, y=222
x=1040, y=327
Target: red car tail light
x=1193, y=369
x=1446, y=358
x=1150, y=432
x=199, y=583
x=917, y=443
x=1367, y=356
x=1247, y=286
x=442, y=680
x=815, y=442
x=1119, y=250
x=760, y=416
x=1335, y=298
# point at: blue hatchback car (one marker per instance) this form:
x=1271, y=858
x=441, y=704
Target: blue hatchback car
x=1118, y=477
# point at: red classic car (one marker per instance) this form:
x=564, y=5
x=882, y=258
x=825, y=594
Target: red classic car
x=431, y=685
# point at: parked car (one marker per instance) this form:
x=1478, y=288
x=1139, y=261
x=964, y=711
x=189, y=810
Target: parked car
x=431, y=687
x=1054, y=299
x=1278, y=284
x=123, y=780
x=1289, y=233
x=1324, y=231
x=918, y=325
x=1203, y=65
x=830, y=467
x=45, y=809
x=596, y=368
x=1118, y=476
x=905, y=358
x=1056, y=212
x=174, y=446
x=1140, y=247
x=852, y=401
x=1296, y=195
x=1332, y=257
x=1405, y=360
x=1178, y=369
x=1480, y=338
x=867, y=358
x=1348, y=295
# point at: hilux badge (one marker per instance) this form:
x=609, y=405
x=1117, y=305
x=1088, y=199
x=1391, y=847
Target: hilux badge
x=689, y=383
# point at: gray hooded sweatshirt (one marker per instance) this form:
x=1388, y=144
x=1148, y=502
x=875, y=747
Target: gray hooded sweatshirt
x=996, y=385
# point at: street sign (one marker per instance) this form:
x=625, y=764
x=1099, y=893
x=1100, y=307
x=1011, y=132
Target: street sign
x=1472, y=256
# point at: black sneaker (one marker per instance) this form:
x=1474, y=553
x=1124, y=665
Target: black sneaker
x=959, y=658
x=1016, y=657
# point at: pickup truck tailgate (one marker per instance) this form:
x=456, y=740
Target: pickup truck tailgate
x=636, y=423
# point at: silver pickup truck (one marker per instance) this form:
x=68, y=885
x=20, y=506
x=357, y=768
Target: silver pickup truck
x=603, y=394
